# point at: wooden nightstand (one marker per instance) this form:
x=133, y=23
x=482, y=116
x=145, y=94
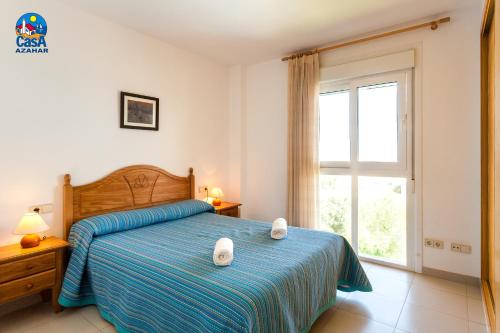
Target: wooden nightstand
x=34, y=270
x=228, y=209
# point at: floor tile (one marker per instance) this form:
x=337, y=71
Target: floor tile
x=67, y=321
x=19, y=304
x=474, y=292
x=475, y=309
x=440, y=284
x=389, y=286
x=391, y=273
x=92, y=315
x=382, y=309
x=439, y=300
x=346, y=322
x=109, y=329
x=341, y=296
x=320, y=323
x=27, y=318
x=477, y=328
x=416, y=318
x=367, y=265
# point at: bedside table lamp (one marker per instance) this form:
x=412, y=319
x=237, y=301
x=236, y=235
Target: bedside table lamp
x=30, y=225
x=217, y=194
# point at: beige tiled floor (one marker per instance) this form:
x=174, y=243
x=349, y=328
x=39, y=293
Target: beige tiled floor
x=401, y=302
x=405, y=302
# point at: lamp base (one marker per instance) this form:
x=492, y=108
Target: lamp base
x=217, y=202
x=30, y=240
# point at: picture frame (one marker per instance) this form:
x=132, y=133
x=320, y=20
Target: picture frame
x=139, y=112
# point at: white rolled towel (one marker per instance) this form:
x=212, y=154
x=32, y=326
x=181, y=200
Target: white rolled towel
x=223, y=252
x=279, y=229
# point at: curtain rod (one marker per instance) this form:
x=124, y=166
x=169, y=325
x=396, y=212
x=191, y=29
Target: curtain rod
x=433, y=24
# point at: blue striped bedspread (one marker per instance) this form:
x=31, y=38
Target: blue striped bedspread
x=151, y=270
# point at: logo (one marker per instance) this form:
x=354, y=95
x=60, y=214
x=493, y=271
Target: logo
x=31, y=29
x=141, y=181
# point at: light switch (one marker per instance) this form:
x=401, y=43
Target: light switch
x=44, y=208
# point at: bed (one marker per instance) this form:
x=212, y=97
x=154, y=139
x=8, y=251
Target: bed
x=141, y=251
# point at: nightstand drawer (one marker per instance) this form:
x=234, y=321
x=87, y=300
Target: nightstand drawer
x=28, y=285
x=234, y=212
x=25, y=267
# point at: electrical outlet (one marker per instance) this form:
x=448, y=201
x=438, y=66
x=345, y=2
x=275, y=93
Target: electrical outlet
x=435, y=243
x=44, y=208
x=429, y=242
x=202, y=189
x=465, y=248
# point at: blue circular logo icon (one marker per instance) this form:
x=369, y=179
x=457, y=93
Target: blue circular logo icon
x=31, y=25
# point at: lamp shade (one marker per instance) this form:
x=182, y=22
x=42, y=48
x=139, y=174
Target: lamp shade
x=217, y=192
x=31, y=223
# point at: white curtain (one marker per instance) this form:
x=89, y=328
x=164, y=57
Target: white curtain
x=303, y=134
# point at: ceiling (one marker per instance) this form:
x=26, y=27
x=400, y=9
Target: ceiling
x=250, y=31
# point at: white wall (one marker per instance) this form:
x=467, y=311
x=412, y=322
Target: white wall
x=449, y=174
x=265, y=133
x=59, y=112
x=236, y=141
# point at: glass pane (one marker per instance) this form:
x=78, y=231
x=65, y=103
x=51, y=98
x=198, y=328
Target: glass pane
x=334, y=142
x=378, y=122
x=382, y=218
x=335, y=204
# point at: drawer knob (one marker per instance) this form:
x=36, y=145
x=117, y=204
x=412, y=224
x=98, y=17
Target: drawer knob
x=29, y=266
x=29, y=286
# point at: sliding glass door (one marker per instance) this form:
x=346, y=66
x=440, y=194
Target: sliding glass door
x=366, y=186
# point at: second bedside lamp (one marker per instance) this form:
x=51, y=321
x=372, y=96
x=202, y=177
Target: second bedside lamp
x=217, y=194
x=30, y=225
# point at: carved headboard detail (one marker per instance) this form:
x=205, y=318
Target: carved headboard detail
x=132, y=187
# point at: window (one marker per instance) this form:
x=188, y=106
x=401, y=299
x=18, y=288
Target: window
x=334, y=130
x=335, y=209
x=378, y=122
x=365, y=156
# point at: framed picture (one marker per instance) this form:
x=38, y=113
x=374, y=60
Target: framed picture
x=139, y=112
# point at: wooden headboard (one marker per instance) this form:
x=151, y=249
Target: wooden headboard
x=132, y=187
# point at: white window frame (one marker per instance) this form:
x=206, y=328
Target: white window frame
x=402, y=168
x=403, y=78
